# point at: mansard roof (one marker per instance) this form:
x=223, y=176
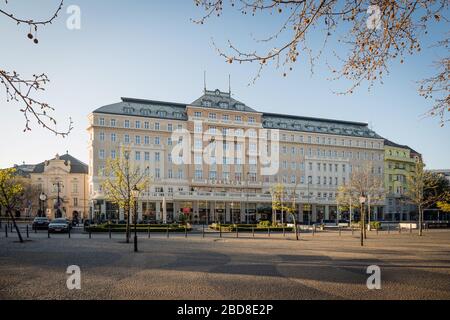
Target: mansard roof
x=216, y=99
x=220, y=100
x=76, y=166
x=146, y=108
x=318, y=125
x=396, y=145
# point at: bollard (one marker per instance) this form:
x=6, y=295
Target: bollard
x=220, y=230
x=284, y=232
x=6, y=231
x=339, y=231
x=410, y=228
x=167, y=231
x=149, y=231
x=377, y=231
x=69, y=232
x=389, y=228
x=237, y=232
x=109, y=230
x=203, y=230
x=253, y=232
x=268, y=230
x=353, y=231
x=185, y=230
x=399, y=228
x=11, y=227
x=28, y=234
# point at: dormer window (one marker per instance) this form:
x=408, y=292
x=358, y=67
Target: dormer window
x=161, y=113
x=239, y=106
x=128, y=110
x=223, y=104
x=145, y=112
x=206, y=103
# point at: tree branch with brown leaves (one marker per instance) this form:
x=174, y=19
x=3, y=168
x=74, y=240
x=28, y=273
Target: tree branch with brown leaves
x=22, y=90
x=371, y=38
x=437, y=87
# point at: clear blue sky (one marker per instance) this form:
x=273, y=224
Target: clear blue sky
x=151, y=49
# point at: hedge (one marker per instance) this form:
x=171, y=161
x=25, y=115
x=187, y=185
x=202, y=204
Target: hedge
x=139, y=228
x=248, y=227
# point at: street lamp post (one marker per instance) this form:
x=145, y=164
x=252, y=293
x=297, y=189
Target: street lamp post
x=309, y=205
x=42, y=198
x=362, y=200
x=135, y=193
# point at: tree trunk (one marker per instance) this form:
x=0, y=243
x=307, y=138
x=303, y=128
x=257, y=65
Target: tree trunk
x=295, y=225
x=420, y=220
x=15, y=226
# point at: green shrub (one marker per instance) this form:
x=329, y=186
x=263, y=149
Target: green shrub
x=376, y=225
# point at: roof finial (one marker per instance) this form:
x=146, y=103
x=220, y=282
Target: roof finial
x=204, y=81
x=229, y=84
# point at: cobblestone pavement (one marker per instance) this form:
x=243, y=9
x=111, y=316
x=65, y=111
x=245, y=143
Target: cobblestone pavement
x=323, y=266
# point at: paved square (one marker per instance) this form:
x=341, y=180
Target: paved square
x=324, y=266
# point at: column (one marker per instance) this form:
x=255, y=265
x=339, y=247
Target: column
x=313, y=213
x=327, y=212
x=139, y=211
x=212, y=213
x=227, y=211
x=158, y=211
x=243, y=217
x=121, y=214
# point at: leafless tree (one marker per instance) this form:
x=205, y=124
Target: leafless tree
x=372, y=33
x=22, y=90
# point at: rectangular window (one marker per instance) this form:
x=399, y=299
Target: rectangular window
x=197, y=114
x=113, y=122
x=101, y=121
x=126, y=123
x=113, y=154
x=137, y=156
x=137, y=139
x=157, y=126
x=147, y=156
x=146, y=125
x=147, y=140
x=212, y=116
x=137, y=124
x=113, y=137
x=157, y=173
x=102, y=136
x=157, y=141
x=101, y=154
x=157, y=156
x=169, y=127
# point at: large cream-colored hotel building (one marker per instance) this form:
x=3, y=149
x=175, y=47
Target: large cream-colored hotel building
x=312, y=157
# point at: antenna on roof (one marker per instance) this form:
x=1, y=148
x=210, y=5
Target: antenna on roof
x=229, y=84
x=204, y=81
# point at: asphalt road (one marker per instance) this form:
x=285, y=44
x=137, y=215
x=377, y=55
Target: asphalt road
x=323, y=266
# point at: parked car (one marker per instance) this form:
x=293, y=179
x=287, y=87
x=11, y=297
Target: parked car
x=60, y=225
x=40, y=223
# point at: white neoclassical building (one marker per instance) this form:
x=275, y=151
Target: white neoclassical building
x=313, y=157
